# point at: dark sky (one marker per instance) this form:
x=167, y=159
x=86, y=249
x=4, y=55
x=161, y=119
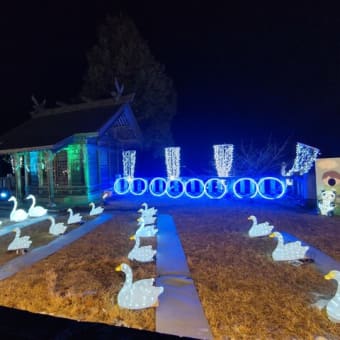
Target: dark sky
x=243, y=70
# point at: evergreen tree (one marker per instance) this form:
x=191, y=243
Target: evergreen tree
x=122, y=54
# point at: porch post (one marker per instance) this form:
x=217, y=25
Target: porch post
x=26, y=171
x=49, y=165
x=85, y=167
x=17, y=172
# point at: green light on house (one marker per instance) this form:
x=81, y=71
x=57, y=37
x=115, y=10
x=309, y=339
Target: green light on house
x=75, y=164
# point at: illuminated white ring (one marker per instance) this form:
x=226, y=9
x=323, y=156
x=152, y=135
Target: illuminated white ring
x=261, y=181
x=144, y=181
x=168, y=183
x=245, y=179
x=190, y=194
x=152, y=183
x=225, y=189
x=117, y=185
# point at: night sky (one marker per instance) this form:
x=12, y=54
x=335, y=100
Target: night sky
x=242, y=71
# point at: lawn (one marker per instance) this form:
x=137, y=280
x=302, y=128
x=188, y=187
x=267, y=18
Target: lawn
x=244, y=293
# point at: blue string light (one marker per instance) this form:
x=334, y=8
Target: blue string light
x=272, y=181
x=138, y=186
x=192, y=182
x=214, y=188
x=242, y=182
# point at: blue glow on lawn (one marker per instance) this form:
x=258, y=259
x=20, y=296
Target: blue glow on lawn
x=215, y=188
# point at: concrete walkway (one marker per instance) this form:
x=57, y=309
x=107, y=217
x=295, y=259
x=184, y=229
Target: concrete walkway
x=37, y=254
x=8, y=228
x=179, y=311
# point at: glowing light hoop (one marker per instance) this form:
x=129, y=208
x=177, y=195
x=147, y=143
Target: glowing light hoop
x=245, y=179
x=135, y=179
x=152, y=184
x=201, y=183
x=168, y=184
x=117, y=185
x=159, y=186
x=262, y=180
x=221, y=182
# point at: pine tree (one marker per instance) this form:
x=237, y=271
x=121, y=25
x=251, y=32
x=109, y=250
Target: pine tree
x=122, y=54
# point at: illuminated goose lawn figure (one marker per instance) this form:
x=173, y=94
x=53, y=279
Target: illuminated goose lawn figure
x=139, y=294
x=56, y=228
x=17, y=215
x=333, y=305
x=289, y=251
x=259, y=229
x=147, y=219
x=95, y=210
x=141, y=254
x=35, y=211
x=146, y=211
x=20, y=243
x=145, y=231
x=74, y=218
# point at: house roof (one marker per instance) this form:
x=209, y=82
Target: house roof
x=54, y=128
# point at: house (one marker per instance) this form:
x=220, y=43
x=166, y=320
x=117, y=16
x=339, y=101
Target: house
x=71, y=154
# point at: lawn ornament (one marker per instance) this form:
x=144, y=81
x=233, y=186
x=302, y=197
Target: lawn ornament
x=146, y=231
x=95, y=210
x=56, y=228
x=326, y=204
x=333, y=305
x=20, y=243
x=146, y=211
x=141, y=253
x=147, y=219
x=74, y=218
x=35, y=211
x=17, y=215
x=259, y=229
x=139, y=294
x=287, y=252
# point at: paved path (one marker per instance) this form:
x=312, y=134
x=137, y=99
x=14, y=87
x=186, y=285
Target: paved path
x=179, y=311
x=8, y=228
x=37, y=254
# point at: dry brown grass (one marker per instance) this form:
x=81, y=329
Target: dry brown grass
x=80, y=282
x=244, y=294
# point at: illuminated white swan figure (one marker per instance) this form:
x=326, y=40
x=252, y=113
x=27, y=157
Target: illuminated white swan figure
x=333, y=305
x=56, y=228
x=147, y=219
x=139, y=294
x=95, y=210
x=146, y=211
x=289, y=251
x=17, y=215
x=19, y=242
x=141, y=254
x=74, y=218
x=145, y=231
x=259, y=229
x=35, y=211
